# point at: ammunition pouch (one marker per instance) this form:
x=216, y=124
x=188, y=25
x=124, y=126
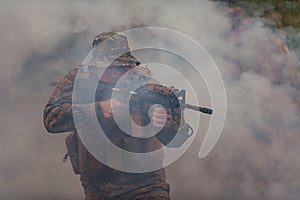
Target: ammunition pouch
x=72, y=151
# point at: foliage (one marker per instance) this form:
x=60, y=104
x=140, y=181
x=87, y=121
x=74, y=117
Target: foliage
x=282, y=15
x=283, y=12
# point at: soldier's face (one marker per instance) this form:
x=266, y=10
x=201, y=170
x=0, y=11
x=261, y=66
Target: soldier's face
x=114, y=73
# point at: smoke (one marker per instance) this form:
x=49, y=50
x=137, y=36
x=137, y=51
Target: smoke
x=256, y=156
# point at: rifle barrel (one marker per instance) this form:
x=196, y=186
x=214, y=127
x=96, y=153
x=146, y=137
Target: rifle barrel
x=198, y=108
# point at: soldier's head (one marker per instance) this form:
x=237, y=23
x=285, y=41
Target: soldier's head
x=113, y=46
x=111, y=42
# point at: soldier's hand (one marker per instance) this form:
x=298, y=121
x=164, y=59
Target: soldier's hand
x=107, y=107
x=161, y=118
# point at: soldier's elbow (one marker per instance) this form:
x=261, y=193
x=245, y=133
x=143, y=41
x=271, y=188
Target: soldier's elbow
x=49, y=122
x=53, y=125
x=49, y=126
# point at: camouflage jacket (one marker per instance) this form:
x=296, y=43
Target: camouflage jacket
x=58, y=118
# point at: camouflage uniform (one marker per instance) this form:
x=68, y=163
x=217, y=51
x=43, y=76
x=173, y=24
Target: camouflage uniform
x=98, y=180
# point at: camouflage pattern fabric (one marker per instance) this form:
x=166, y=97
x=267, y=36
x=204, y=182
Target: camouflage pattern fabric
x=95, y=188
x=100, y=181
x=58, y=118
x=109, y=45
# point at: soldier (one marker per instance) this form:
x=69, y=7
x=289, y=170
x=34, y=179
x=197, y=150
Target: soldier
x=98, y=180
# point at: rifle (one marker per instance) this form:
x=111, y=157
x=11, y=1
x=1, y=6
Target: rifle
x=183, y=105
x=150, y=94
x=155, y=99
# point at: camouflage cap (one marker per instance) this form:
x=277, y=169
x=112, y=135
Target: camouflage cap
x=110, y=45
x=117, y=40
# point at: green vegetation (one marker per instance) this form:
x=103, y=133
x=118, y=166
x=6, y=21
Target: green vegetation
x=283, y=13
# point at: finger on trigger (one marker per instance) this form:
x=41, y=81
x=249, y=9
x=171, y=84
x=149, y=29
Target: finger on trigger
x=157, y=120
x=158, y=125
x=160, y=116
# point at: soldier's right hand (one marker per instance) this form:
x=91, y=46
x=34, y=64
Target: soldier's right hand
x=107, y=107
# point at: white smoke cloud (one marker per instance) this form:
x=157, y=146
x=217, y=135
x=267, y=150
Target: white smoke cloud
x=256, y=156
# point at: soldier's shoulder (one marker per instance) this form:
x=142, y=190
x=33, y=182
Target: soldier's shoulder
x=72, y=74
x=68, y=79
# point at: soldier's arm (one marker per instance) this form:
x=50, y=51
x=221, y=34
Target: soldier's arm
x=58, y=113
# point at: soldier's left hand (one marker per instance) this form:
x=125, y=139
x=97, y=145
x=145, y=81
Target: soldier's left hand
x=161, y=117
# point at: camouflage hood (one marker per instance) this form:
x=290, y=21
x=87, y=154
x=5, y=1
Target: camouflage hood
x=110, y=48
